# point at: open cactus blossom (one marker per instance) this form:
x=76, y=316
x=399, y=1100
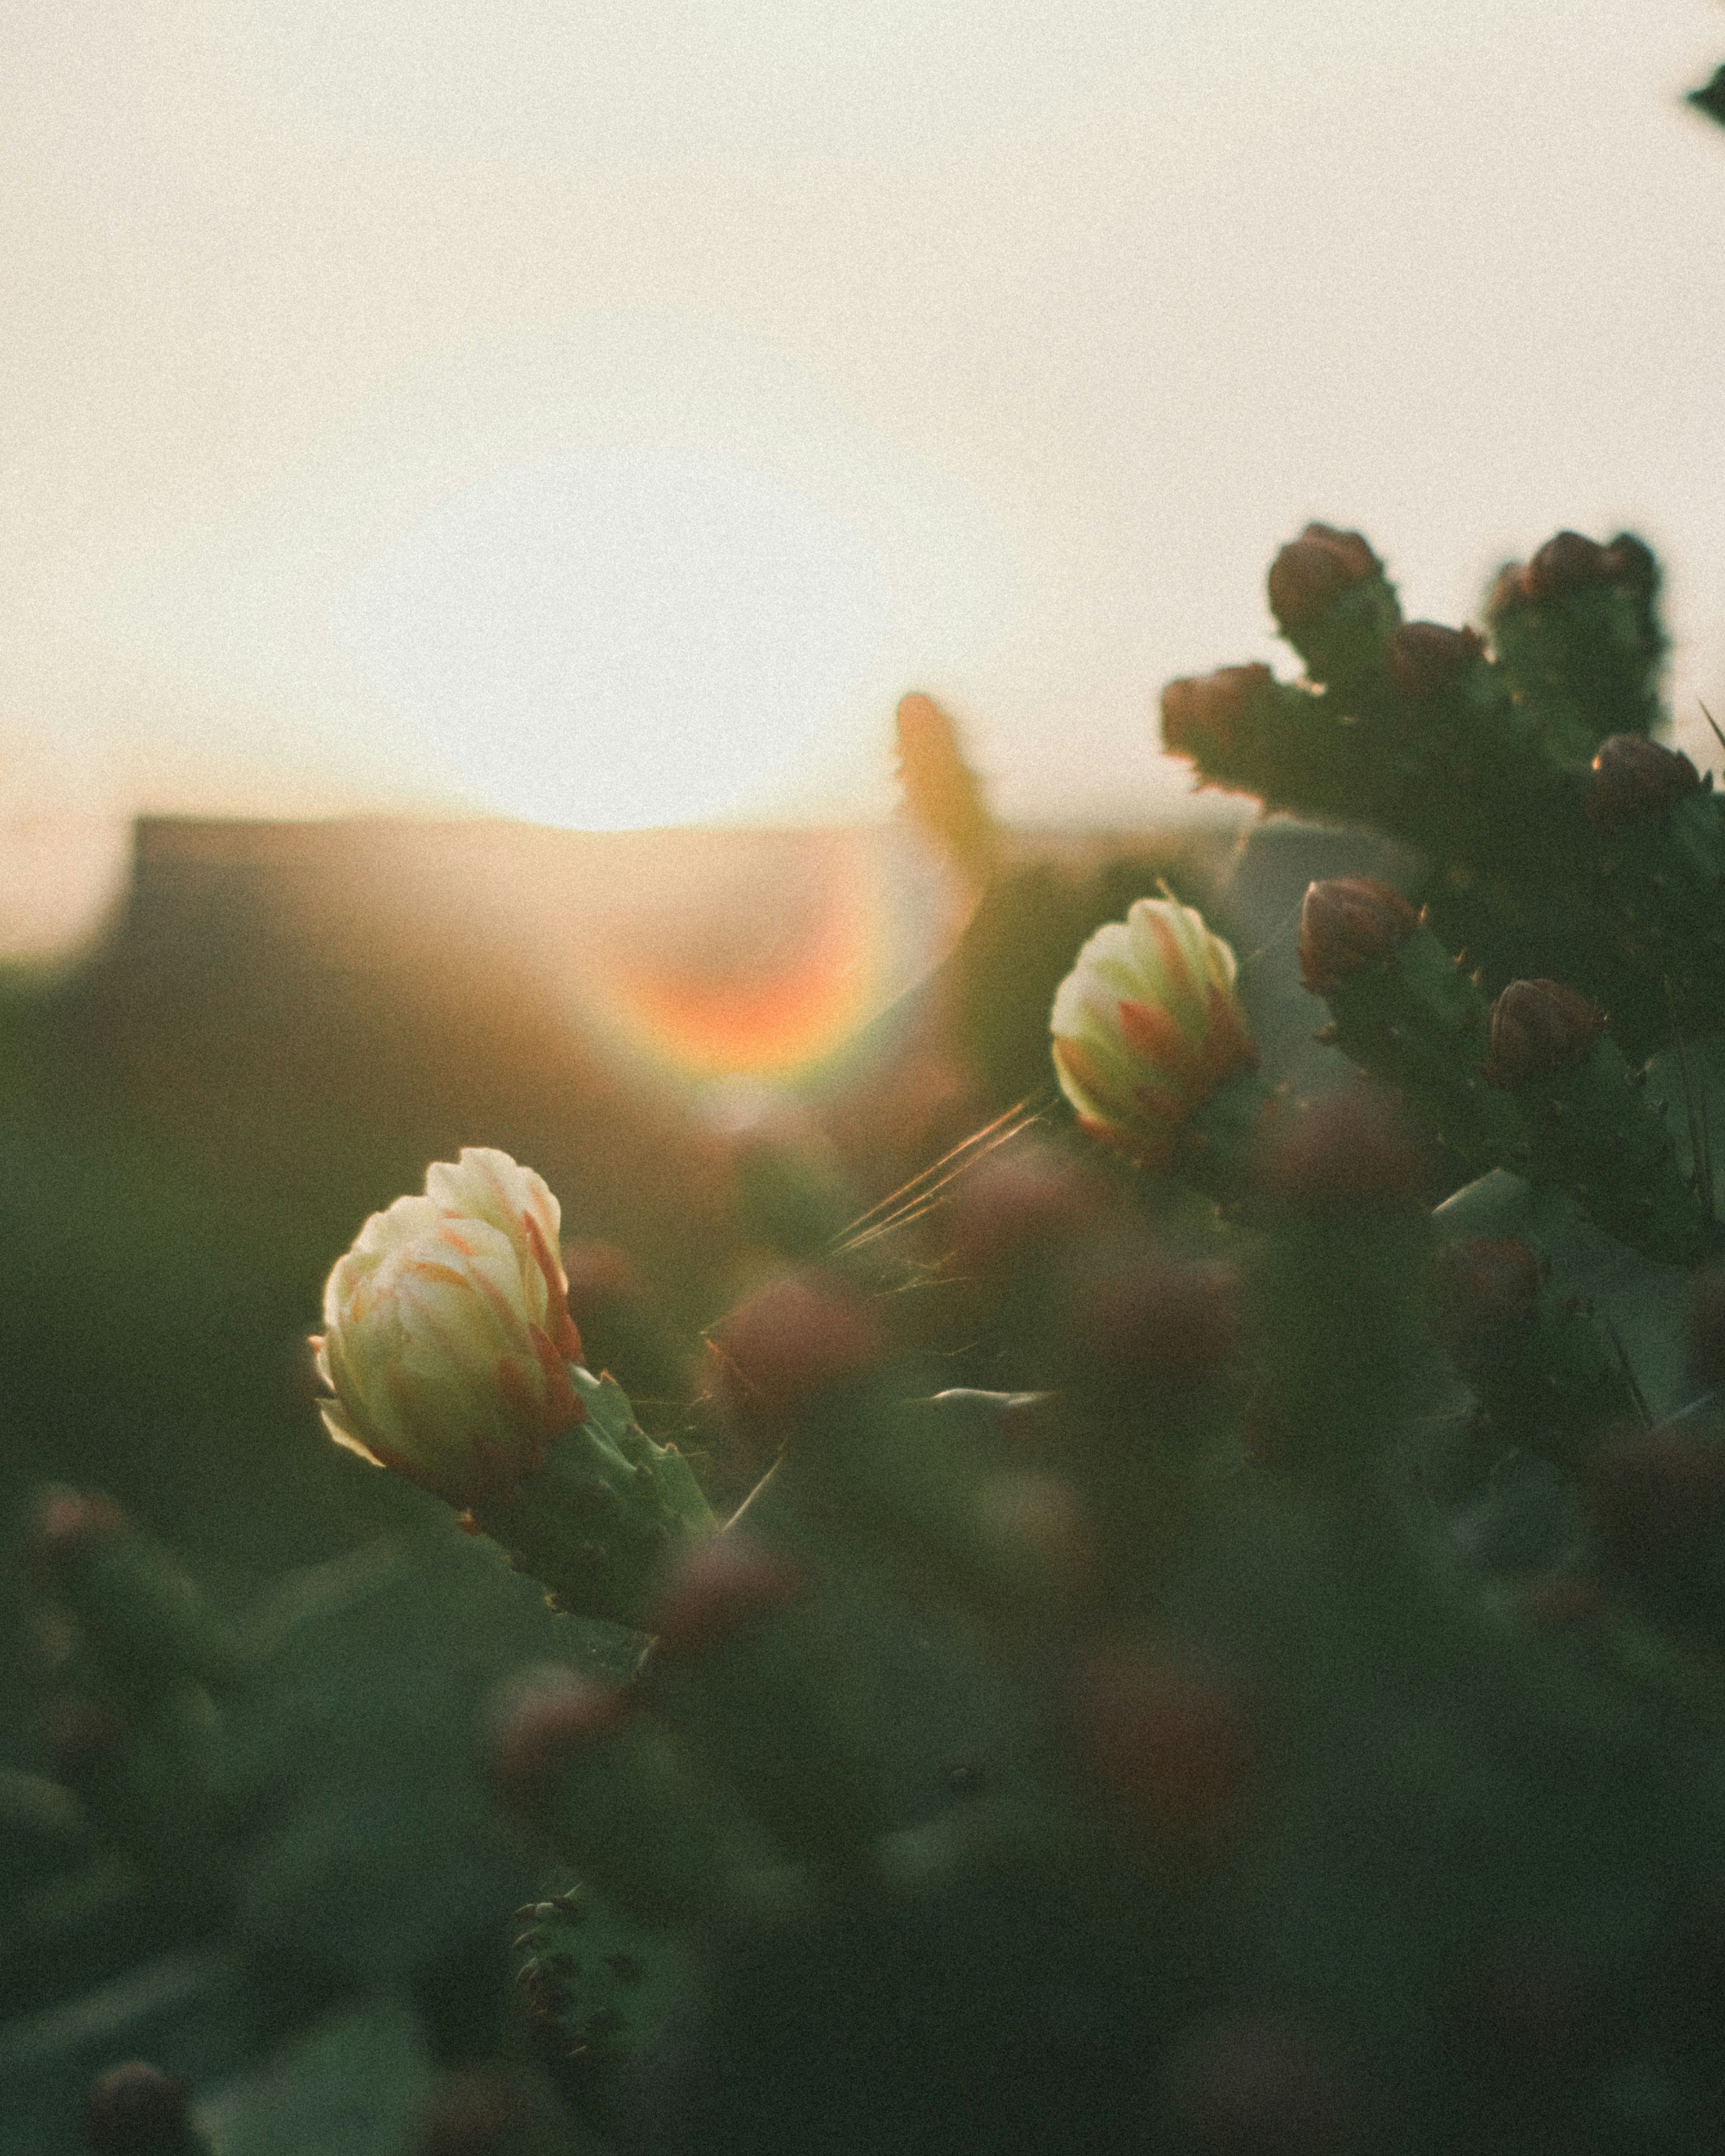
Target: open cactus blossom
x=1147, y=1026
x=447, y=1335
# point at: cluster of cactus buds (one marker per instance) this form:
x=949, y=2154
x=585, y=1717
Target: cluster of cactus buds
x=1220, y=1647
x=1252, y=1630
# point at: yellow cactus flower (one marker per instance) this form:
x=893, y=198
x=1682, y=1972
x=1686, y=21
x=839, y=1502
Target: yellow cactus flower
x=448, y=1337
x=1147, y=1026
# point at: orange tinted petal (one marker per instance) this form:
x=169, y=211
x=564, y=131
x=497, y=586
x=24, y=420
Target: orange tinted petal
x=1154, y=1036
x=1173, y=954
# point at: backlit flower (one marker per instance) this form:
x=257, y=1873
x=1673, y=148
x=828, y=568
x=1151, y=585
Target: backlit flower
x=448, y=1333
x=1147, y=1026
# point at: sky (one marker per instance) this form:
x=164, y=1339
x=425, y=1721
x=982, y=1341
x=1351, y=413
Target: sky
x=601, y=411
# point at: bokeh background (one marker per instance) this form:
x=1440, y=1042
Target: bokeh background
x=475, y=484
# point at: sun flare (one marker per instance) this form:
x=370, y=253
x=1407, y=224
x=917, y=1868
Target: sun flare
x=615, y=639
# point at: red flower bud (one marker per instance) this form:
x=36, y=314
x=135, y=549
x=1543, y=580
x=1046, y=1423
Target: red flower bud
x=545, y=1716
x=1203, y=711
x=1167, y=1743
x=1653, y=1493
x=1629, y=564
x=1021, y=1200
x=1348, y=922
x=1539, y=1028
x=1566, y=563
x=1424, y=655
x=135, y=2108
x=600, y=1275
x=1343, y=1150
x=1485, y=1290
x=790, y=1342
x=723, y=1584
x=1633, y=777
x=1312, y=571
x=1153, y=1323
x=1509, y=591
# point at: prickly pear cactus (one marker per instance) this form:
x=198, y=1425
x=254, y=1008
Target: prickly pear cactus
x=1221, y=1649
x=1224, y=1655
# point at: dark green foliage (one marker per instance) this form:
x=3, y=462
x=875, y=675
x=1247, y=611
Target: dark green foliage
x=1480, y=760
x=1710, y=98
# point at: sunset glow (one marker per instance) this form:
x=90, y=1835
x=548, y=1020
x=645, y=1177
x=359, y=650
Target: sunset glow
x=763, y=957
x=621, y=638
x=605, y=416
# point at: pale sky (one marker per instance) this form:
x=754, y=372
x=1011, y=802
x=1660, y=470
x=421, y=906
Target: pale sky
x=601, y=411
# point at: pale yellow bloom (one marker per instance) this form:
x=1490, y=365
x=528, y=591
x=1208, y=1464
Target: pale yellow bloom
x=447, y=1331
x=1147, y=1026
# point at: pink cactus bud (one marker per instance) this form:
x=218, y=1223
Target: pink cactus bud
x=1151, y=1323
x=1167, y=1745
x=1312, y=571
x=1202, y=712
x=1568, y=562
x=1024, y=1198
x=546, y=1719
x=1344, y=1150
x=1347, y=923
x=1538, y=1028
x=1633, y=777
x=719, y=1588
x=1629, y=564
x=1486, y=1290
x=601, y=1273
x=448, y=1332
x=1424, y=655
x=133, y=2109
x=1147, y=1026
x=794, y=1339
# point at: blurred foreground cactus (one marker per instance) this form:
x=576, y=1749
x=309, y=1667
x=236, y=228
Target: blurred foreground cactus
x=1221, y=1651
